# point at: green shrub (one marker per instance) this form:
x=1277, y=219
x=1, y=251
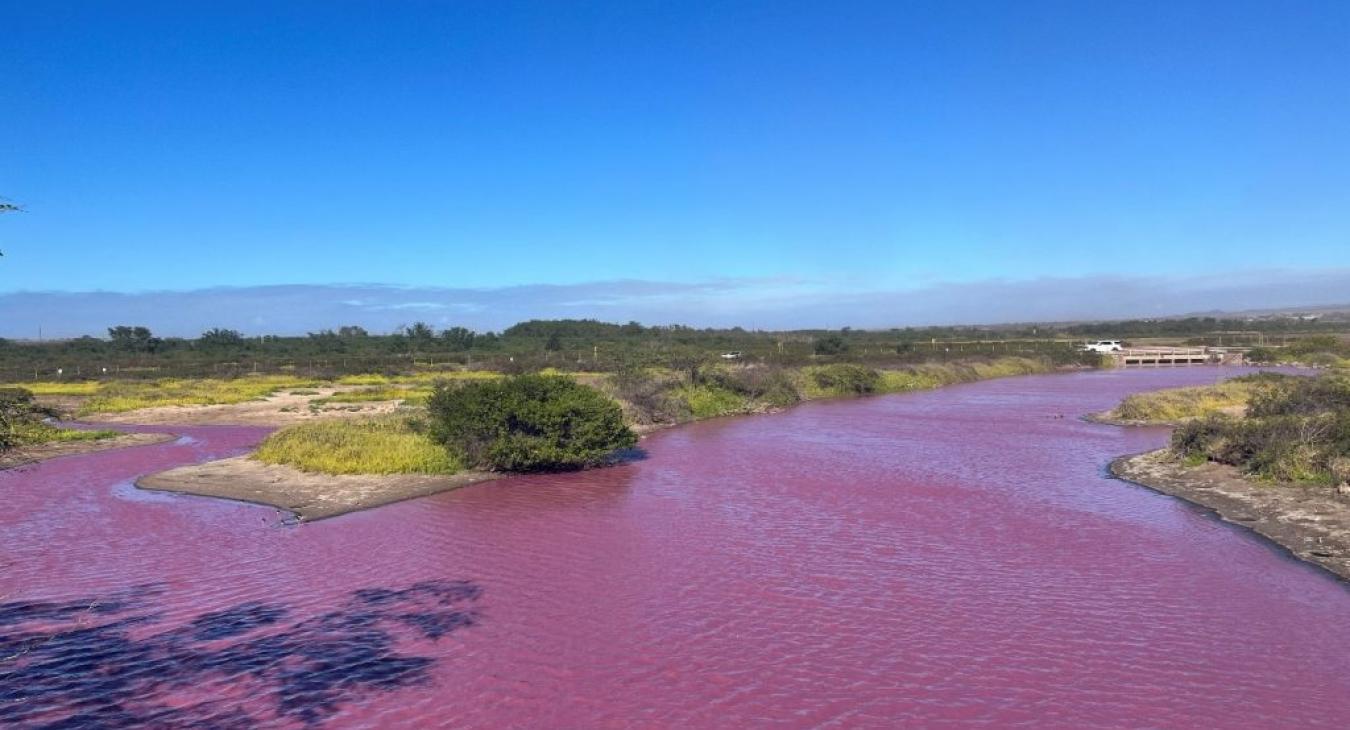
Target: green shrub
x=830, y=345
x=649, y=395
x=711, y=401
x=845, y=379
x=1297, y=429
x=768, y=385
x=1263, y=356
x=1317, y=344
x=17, y=412
x=1302, y=395
x=528, y=423
x=21, y=423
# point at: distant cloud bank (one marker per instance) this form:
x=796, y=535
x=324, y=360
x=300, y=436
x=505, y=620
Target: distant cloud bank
x=766, y=303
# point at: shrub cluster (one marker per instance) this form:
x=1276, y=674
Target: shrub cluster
x=649, y=395
x=1297, y=429
x=700, y=390
x=1315, y=350
x=846, y=379
x=22, y=422
x=1174, y=405
x=769, y=385
x=17, y=411
x=528, y=423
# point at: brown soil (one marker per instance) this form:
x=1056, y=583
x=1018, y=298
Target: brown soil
x=279, y=409
x=308, y=496
x=1312, y=522
x=41, y=452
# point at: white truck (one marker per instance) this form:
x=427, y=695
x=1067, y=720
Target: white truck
x=1103, y=346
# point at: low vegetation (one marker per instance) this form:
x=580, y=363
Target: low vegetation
x=376, y=394
x=1176, y=405
x=22, y=423
x=49, y=388
x=394, y=444
x=422, y=378
x=840, y=379
x=129, y=395
x=658, y=396
x=1318, y=350
x=1295, y=429
x=709, y=400
x=550, y=420
x=528, y=423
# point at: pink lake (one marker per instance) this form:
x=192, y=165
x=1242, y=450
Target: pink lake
x=949, y=558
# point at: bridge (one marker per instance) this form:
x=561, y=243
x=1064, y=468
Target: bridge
x=1135, y=356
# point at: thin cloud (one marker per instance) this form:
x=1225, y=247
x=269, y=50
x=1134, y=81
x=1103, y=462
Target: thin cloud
x=766, y=303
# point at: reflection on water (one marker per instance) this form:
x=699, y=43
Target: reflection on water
x=110, y=661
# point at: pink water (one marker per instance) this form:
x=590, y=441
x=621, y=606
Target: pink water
x=948, y=558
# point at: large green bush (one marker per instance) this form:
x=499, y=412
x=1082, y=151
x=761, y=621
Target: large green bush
x=528, y=423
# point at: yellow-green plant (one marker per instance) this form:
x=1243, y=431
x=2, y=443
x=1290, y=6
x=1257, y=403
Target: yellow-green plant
x=129, y=395
x=87, y=387
x=708, y=401
x=385, y=445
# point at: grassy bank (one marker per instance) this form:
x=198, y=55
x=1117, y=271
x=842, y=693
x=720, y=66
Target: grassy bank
x=387, y=445
x=657, y=397
x=23, y=423
x=649, y=398
x=1296, y=429
x=1331, y=351
x=41, y=433
x=1171, y=406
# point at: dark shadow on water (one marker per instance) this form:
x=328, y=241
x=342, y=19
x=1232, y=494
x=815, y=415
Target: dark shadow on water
x=109, y=662
x=624, y=456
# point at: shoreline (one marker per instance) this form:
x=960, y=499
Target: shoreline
x=1312, y=523
x=38, y=453
x=307, y=496
x=311, y=496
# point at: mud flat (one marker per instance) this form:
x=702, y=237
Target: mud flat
x=306, y=495
x=26, y=455
x=1312, y=522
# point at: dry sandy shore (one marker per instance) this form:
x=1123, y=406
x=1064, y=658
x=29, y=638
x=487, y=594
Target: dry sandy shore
x=42, y=452
x=1313, y=523
x=308, y=496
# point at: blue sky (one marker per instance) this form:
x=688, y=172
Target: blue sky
x=802, y=150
